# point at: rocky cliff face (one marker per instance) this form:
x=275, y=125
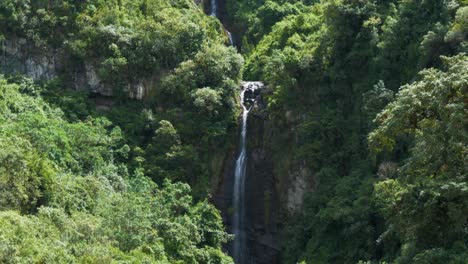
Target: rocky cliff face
x=276, y=182
x=262, y=190
x=262, y=199
x=18, y=56
x=275, y=186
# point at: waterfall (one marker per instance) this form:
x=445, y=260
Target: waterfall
x=231, y=40
x=214, y=13
x=239, y=227
x=239, y=245
x=214, y=8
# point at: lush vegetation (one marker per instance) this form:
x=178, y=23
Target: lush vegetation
x=341, y=70
x=66, y=195
x=80, y=185
x=371, y=96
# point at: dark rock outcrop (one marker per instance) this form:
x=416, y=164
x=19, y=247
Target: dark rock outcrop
x=262, y=197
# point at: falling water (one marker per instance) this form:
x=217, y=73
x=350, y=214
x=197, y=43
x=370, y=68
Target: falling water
x=214, y=13
x=239, y=246
x=214, y=8
x=231, y=40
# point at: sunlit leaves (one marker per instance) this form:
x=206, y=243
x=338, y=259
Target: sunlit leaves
x=426, y=205
x=80, y=204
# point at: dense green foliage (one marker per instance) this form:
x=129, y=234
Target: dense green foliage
x=126, y=39
x=191, y=119
x=333, y=66
x=172, y=45
x=426, y=204
x=66, y=198
x=371, y=96
x=80, y=185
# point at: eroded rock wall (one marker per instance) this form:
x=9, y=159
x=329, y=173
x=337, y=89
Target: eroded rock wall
x=276, y=183
x=263, y=192
x=19, y=56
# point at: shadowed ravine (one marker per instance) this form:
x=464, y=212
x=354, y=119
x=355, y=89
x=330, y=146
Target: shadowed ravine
x=214, y=8
x=214, y=13
x=243, y=198
x=239, y=249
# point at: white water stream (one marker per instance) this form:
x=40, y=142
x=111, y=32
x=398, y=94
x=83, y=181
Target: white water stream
x=214, y=8
x=239, y=249
x=239, y=226
x=214, y=13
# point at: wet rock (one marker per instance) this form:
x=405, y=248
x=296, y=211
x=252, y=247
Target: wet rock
x=252, y=92
x=262, y=198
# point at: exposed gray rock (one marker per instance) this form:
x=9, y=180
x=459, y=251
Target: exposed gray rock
x=93, y=80
x=137, y=90
x=18, y=56
x=300, y=184
x=41, y=67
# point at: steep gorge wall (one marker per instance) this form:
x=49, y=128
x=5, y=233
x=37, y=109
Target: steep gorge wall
x=20, y=56
x=262, y=190
x=275, y=186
